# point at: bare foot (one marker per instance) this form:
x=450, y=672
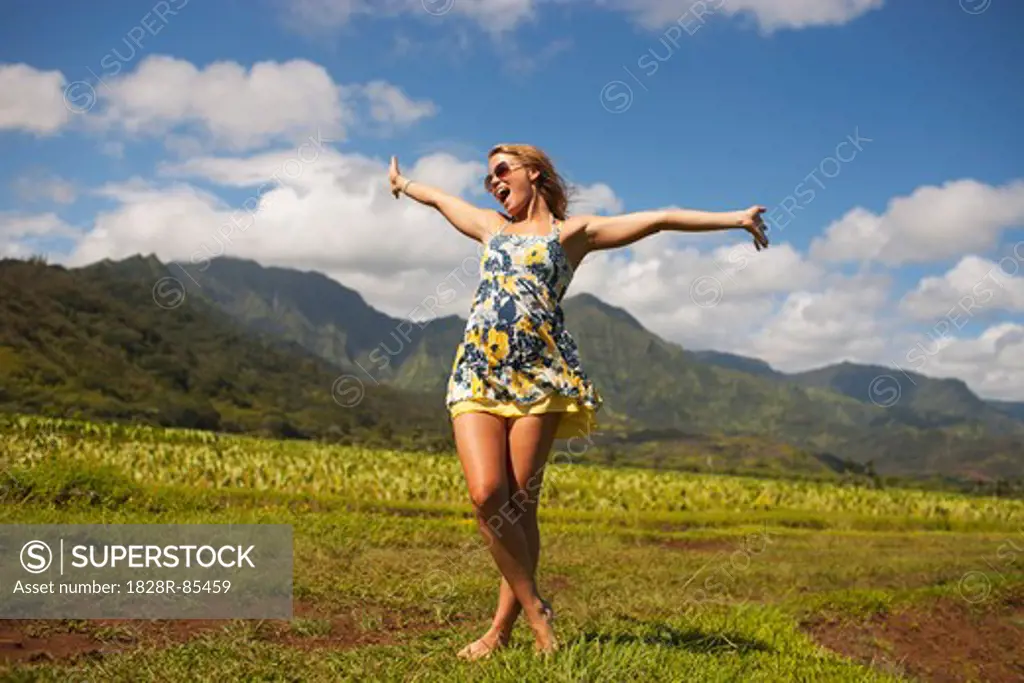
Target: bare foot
x=484, y=646
x=543, y=631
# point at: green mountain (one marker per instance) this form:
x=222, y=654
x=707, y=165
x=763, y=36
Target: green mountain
x=647, y=383
x=921, y=400
x=309, y=308
x=115, y=341
x=1014, y=409
x=331, y=321
x=934, y=402
x=731, y=361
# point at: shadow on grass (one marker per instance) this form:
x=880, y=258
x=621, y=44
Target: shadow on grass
x=694, y=640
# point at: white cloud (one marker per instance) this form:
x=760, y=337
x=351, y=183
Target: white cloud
x=772, y=15
x=388, y=104
x=315, y=16
x=18, y=230
x=992, y=364
x=701, y=299
x=19, y=225
x=149, y=219
x=32, y=100
x=251, y=171
x=657, y=292
x=113, y=149
x=973, y=286
x=226, y=105
x=775, y=304
x=596, y=198
x=497, y=16
x=230, y=105
x=310, y=15
x=493, y=15
x=40, y=186
x=840, y=321
x=746, y=272
x=930, y=224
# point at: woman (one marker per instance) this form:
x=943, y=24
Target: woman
x=516, y=382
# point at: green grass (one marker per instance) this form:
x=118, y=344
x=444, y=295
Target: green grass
x=643, y=590
x=202, y=460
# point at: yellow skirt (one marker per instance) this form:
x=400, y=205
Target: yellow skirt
x=577, y=420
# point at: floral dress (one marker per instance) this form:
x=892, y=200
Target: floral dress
x=516, y=357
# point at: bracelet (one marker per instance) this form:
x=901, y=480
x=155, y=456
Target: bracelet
x=406, y=187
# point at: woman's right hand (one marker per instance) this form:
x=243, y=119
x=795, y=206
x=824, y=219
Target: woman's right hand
x=394, y=176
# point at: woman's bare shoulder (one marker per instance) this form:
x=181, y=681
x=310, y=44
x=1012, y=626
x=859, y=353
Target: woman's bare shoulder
x=574, y=224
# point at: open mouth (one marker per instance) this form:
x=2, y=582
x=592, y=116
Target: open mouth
x=502, y=194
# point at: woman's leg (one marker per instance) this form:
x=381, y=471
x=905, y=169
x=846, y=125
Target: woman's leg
x=529, y=443
x=481, y=442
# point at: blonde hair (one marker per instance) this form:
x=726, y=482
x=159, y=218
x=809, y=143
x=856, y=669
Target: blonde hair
x=550, y=184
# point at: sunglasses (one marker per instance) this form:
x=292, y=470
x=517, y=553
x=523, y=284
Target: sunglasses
x=500, y=172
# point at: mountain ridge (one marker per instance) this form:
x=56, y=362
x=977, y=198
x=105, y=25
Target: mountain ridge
x=648, y=382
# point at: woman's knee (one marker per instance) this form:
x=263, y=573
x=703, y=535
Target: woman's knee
x=487, y=495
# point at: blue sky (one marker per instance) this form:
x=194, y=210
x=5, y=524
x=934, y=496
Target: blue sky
x=745, y=102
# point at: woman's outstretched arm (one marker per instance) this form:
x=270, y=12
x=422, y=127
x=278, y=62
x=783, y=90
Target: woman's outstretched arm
x=470, y=220
x=609, y=232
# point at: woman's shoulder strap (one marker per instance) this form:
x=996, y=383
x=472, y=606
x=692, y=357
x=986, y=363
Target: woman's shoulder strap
x=556, y=225
x=503, y=225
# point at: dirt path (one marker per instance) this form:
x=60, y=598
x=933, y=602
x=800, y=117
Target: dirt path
x=32, y=641
x=948, y=640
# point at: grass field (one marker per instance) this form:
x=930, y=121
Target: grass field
x=654, y=576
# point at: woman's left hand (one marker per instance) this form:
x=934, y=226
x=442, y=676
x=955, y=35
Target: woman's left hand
x=751, y=221
x=395, y=177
